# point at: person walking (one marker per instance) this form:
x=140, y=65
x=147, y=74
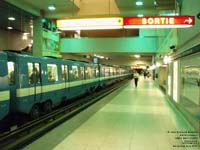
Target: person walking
x=136, y=78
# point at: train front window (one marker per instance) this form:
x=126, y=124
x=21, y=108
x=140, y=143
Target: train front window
x=52, y=71
x=11, y=75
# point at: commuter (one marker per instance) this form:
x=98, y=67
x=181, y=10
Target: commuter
x=136, y=78
x=34, y=78
x=145, y=74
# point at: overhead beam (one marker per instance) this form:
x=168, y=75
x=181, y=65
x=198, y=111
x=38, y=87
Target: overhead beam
x=91, y=45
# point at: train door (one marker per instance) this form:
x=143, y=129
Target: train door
x=12, y=83
x=34, y=83
x=65, y=78
x=82, y=77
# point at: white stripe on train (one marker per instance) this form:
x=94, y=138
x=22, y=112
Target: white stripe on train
x=48, y=88
x=4, y=95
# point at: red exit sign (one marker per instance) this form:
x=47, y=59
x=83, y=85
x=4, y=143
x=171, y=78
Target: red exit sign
x=159, y=22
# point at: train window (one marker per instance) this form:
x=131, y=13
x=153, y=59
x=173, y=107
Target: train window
x=107, y=71
x=37, y=72
x=114, y=71
x=96, y=72
x=11, y=75
x=75, y=72
x=64, y=72
x=89, y=74
x=82, y=72
x=33, y=73
x=111, y=71
x=102, y=71
x=52, y=72
x=30, y=73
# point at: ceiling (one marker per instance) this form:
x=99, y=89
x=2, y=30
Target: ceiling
x=83, y=8
x=23, y=20
x=80, y=8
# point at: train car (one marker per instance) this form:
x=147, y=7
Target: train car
x=4, y=86
x=112, y=74
x=37, y=84
x=41, y=83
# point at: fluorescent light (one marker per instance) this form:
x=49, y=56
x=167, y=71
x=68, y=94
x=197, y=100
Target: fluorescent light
x=25, y=37
x=158, y=64
x=90, y=23
x=137, y=56
x=140, y=15
x=51, y=7
x=9, y=28
x=11, y=18
x=155, y=3
x=139, y=3
x=167, y=59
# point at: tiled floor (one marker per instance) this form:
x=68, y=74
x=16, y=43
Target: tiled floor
x=129, y=119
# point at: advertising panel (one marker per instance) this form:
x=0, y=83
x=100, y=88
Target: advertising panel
x=190, y=75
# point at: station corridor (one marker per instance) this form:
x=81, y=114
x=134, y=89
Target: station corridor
x=131, y=118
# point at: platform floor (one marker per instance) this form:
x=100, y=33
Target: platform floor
x=128, y=119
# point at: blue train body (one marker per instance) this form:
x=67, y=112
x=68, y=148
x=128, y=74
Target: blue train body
x=36, y=84
x=4, y=87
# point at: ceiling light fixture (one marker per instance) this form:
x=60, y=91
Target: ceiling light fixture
x=139, y=3
x=137, y=56
x=9, y=28
x=51, y=7
x=140, y=15
x=11, y=18
x=155, y=3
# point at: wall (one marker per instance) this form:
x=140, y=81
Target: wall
x=12, y=41
x=188, y=67
x=162, y=77
x=189, y=37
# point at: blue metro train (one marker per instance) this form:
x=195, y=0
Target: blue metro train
x=34, y=85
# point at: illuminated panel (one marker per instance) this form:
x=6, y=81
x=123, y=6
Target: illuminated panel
x=90, y=23
x=175, y=81
x=159, y=22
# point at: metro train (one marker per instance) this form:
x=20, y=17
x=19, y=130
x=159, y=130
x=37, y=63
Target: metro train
x=34, y=85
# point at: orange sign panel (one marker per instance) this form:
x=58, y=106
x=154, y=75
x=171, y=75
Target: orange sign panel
x=159, y=22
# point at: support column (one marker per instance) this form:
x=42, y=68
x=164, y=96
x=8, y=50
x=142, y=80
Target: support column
x=37, y=37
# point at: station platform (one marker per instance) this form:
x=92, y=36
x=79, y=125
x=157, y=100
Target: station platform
x=130, y=118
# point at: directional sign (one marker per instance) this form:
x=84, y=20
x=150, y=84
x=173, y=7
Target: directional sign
x=159, y=22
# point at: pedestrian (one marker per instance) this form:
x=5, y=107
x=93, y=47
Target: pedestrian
x=145, y=74
x=136, y=78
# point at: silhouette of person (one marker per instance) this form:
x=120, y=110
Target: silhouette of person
x=136, y=78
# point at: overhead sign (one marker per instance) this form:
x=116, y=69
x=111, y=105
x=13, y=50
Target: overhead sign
x=159, y=22
x=90, y=23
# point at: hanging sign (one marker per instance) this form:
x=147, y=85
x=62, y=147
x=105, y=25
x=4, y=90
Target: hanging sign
x=159, y=22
